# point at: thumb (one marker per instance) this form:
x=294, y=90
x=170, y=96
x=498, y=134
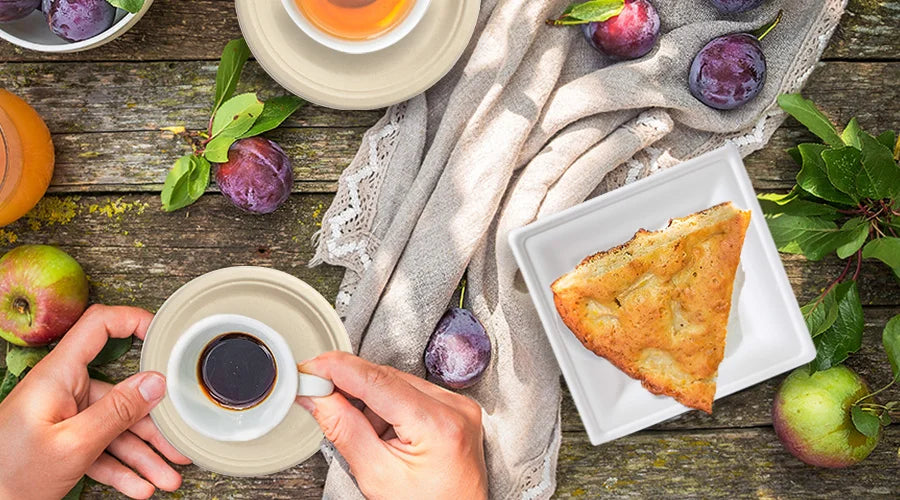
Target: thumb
x=125, y=404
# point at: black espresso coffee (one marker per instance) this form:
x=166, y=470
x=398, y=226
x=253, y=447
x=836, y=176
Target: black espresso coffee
x=237, y=371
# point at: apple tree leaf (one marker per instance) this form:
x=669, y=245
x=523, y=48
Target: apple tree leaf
x=590, y=11
x=114, y=349
x=814, y=237
x=844, y=336
x=820, y=313
x=132, y=6
x=773, y=204
x=813, y=176
x=7, y=384
x=75, y=492
x=237, y=115
x=866, y=423
x=879, y=176
x=96, y=374
x=275, y=112
x=886, y=250
x=850, y=135
x=805, y=112
x=19, y=359
x=855, y=232
x=231, y=65
x=891, y=340
x=842, y=166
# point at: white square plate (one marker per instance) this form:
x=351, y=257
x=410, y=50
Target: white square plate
x=767, y=335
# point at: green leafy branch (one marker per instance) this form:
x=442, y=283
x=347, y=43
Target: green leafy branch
x=233, y=118
x=844, y=203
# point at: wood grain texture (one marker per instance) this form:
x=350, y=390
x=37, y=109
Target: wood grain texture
x=105, y=108
x=198, y=29
x=107, y=139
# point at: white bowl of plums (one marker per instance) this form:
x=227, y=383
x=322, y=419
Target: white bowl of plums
x=67, y=25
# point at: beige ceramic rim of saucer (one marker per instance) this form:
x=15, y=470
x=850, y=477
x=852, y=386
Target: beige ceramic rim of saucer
x=357, y=81
x=291, y=307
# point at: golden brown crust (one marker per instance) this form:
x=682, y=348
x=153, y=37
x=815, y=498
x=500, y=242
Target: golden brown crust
x=657, y=306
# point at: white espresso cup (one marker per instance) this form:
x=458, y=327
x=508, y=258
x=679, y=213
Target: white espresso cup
x=358, y=46
x=197, y=409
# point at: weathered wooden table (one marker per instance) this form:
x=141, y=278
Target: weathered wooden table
x=105, y=107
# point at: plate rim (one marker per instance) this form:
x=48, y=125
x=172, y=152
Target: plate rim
x=341, y=100
x=518, y=237
x=322, y=308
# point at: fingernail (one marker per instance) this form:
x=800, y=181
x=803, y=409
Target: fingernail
x=153, y=388
x=306, y=403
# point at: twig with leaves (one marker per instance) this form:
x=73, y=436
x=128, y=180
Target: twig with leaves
x=233, y=118
x=844, y=202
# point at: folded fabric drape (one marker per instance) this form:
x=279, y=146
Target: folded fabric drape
x=529, y=122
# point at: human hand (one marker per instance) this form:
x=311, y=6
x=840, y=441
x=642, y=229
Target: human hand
x=58, y=424
x=412, y=439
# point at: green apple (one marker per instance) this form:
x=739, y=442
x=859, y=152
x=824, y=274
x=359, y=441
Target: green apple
x=812, y=419
x=43, y=292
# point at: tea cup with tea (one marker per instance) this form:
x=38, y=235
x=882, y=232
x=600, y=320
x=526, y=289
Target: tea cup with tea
x=356, y=26
x=233, y=378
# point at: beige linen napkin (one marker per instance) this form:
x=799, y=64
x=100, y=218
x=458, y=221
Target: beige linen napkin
x=530, y=121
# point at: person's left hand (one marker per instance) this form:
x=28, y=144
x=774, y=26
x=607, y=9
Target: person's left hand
x=58, y=424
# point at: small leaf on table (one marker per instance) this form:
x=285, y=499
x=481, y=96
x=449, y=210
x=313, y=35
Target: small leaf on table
x=185, y=183
x=114, y=349
x=132, y=6
x=805, y=112
x=237, y=115
x=217, y=149
x=275, y=112
x=886, y=250
x=850, y=135
x=234, y=56
x=19, y=359
x=813, y=176
x=891, y=340
x=590, y=11
x=7, y=384
x=844, y=336
x=866, y=423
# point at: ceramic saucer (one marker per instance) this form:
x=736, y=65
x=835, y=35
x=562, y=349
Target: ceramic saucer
x=295, y=310
x=357, y=81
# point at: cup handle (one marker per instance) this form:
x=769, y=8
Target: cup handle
x=313, y=386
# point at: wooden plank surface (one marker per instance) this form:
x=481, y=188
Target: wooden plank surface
x=105, y=107
x=198, y=29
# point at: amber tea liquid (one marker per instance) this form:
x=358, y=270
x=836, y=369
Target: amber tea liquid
x=355, y=19
x=237, y=371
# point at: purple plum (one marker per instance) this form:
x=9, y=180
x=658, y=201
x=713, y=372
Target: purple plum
x=77, y=20
x=729, y=71
x=629, y=35
x=459, y=350
x=11, y=10
x=736, y=6
x=257, y=177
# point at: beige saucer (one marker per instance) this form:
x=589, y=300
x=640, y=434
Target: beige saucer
x=294, y=309
x=364, y=81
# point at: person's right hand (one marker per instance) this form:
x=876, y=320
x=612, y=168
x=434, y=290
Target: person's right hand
x=413, y=439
